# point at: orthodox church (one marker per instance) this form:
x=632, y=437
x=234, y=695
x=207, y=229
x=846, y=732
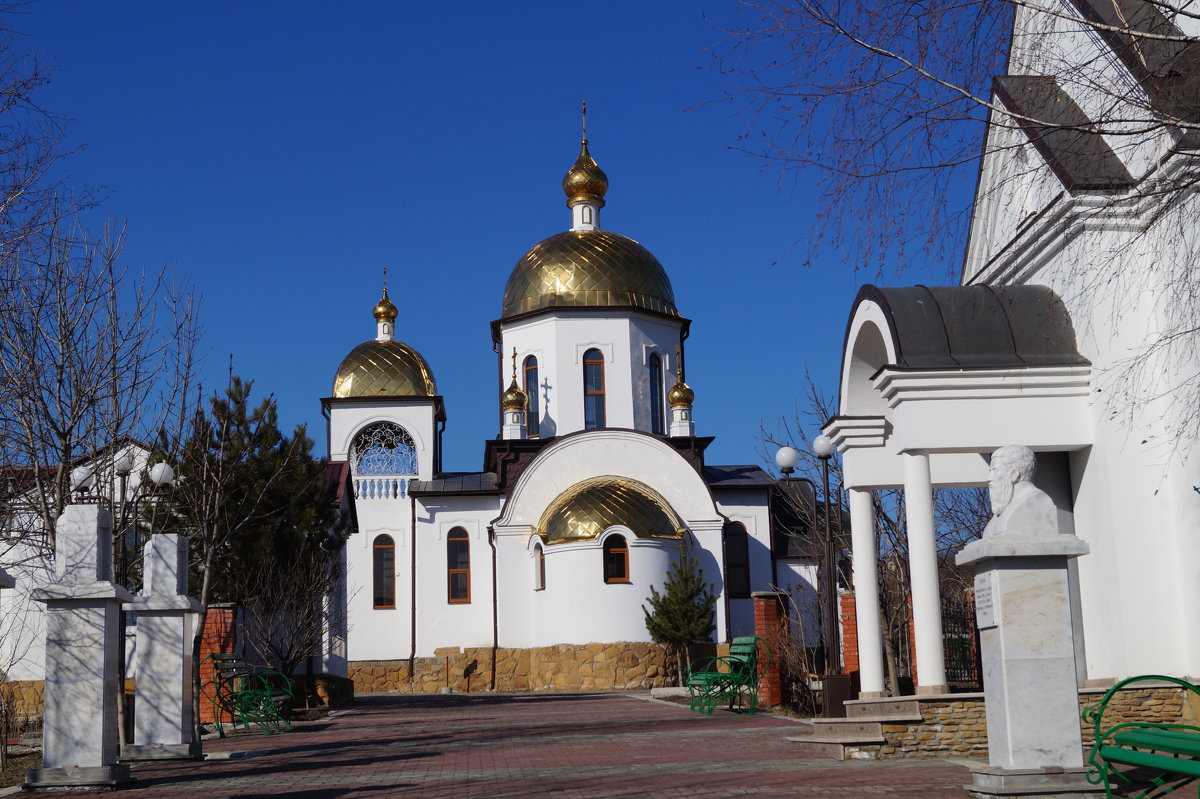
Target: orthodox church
x=533, y=572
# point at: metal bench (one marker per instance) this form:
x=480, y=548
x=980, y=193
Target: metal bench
x=729, y=678
x=1169, y=751
x=249, y=695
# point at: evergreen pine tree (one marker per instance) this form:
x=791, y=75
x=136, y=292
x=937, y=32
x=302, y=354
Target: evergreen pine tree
x=684, y=612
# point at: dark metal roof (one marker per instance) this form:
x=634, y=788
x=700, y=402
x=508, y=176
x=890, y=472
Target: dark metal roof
x=956, y=327
x=1062, y=133
x=456, y=483
x=736, y=477
x=1168, y=68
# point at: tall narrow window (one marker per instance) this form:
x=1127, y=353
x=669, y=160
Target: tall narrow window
x=616, y=559
x=593, y=389
x=737, y=561
x=531, y=390
x=458, y=566
x=383, y=571
x=656, y=394
x=539, y=568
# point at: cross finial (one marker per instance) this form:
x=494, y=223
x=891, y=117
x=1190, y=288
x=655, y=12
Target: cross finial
x=678, y=366
x=514, y=364
x=585, y=121
x=385, y=278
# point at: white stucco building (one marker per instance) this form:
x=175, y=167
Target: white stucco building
x=595, y=482
x=1072, y=332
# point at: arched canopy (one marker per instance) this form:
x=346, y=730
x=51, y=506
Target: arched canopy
x=588, y=508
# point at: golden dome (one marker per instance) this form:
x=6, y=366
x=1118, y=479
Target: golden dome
x=588, y=268
x=681, y=394
x=587, y=509
x=384, y=311
x=585, y=180
x=514, y=399
x=384, y=369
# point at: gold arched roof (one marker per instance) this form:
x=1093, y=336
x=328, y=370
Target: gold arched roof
x=596, y=268
x=587, y=509
x=384, y=369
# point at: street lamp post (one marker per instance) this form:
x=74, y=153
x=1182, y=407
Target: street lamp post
x=823, y=448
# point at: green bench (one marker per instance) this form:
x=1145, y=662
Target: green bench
x=730, y=678
x=1169, y=751
x=249, y=695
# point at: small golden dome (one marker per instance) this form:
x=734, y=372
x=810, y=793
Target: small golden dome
x=587, y=509
x=585, y=180
x=514, y=399
x=588, y=268
x=384, y=369
x=681, y=394
x=384, y=311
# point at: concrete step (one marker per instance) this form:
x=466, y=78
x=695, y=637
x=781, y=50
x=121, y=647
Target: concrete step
x=892, y=709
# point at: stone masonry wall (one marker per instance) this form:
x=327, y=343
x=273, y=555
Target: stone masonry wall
x=26, y=699
x=957, y=727
x=585, y=667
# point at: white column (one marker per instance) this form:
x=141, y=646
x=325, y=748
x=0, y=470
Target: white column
x=866, y=593
x=922, y=566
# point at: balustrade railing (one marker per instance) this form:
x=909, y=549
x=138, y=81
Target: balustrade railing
x=381, y=487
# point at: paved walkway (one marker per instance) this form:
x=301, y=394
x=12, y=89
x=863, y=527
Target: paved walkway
x=560, y=745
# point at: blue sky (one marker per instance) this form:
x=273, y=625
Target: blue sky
x=281, y=153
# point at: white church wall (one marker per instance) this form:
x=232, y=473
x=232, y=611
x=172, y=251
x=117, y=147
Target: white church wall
x=378, y=633
x=750, y=509
x=440, y=622
x=560, y=342
x=578, y=607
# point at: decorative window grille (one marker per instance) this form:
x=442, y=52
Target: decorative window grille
x=382, y=459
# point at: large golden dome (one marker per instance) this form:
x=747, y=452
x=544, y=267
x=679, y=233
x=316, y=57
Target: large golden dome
x=384, y=369
x=588, y=268
x=587, y=509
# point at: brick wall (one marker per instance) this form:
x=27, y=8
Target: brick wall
x=770, y=617
x=220, y=635
x=849, y=633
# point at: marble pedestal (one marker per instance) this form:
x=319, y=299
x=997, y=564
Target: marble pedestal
x=163, y=726
x=1024, y=615
x=79, y=739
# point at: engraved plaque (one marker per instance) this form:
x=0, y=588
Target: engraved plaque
x=987, y=614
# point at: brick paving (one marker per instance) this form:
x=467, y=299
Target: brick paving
x=530, y=745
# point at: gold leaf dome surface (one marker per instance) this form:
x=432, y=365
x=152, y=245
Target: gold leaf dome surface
x=680, y=395
x=588, y=268
x=585, y=180
x=384, y=310
x=587, y=509
x=514, y=398
x=384, y=369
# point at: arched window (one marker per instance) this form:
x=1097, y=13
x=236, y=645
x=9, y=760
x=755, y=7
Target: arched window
x=532, y=428
x=382, y=458
x=616, y=559
x=656, y=394
x=539, y=568
x=737, y=561
x=383, y=571
x=458, y=566
x=593, y=389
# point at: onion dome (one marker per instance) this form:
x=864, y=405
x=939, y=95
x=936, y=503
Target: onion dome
x=587, y=509
x=384, y=310
x=585, y=180
x=588, y=268
x=514, y=398
x=681, y=394
x=384, y=367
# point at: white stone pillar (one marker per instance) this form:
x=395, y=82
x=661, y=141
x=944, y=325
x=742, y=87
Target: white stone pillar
x=162, y=720
x=922, y=567
x=79, y=738
x=866, y=594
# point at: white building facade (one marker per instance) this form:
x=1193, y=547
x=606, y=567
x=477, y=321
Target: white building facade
x=1068, y=334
